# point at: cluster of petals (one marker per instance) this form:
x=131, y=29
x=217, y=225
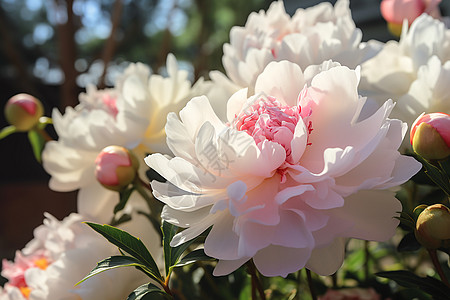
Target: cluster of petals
x=299, y=167
x=414, y=72
x=61, y=254
x=132, y=115
x=309, y=37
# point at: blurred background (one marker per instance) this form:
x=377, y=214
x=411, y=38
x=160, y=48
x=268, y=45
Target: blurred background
x=53, y=48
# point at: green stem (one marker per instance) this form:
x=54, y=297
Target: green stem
x=437, y=265
x=153, y=205
x=256, y=283
x=310, y=284
x=366, y=260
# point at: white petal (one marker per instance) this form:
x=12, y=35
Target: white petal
x=282, y=80
x=327, y=260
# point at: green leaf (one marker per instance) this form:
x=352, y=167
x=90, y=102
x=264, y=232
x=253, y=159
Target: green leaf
x=37, y=142
x=192, y=257
x=172, y=254
x=428, y=284
x=123, y=218
x=115, y=262
x=124, y=196
x=408, y=243
x=129, y=244
x=148, y=291
x=445, y=166
x=7, y=131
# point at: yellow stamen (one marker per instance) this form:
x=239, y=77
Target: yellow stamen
x=25, y=291
x=41, y=263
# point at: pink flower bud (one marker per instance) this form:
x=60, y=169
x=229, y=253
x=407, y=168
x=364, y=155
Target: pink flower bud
x=23, y=111
x=433, y=226
x=430, y=136
x=116, y=167
x=394, y=11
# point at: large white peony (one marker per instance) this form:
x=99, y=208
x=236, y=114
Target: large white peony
x=294, y=172
x=311, y=36
x=132, y=115
x=62, y=253
x=414, y=72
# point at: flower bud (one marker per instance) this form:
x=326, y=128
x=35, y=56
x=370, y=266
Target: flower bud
x=116, y=167
x=23, y=111
x=430, y=136
x=433, y=226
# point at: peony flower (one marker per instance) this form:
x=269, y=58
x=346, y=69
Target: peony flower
x=351, y=294
x=131, y=115
x=413, y=72
x=294, y=172
x=310, y=37
x=23, y=111
x=61, y=254
x=430, y=136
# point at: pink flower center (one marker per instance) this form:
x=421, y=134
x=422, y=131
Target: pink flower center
x=268, y=119
x=15, y=272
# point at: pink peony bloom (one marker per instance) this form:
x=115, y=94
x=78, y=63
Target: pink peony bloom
x=309, y=37
x=295, y=171
x=351, y=294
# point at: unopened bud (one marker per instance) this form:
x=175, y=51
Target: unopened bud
x=430, y=136
x=116, y=167
x=23, y=111
x=433, y=226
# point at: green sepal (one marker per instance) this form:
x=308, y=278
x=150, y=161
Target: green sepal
x=7, y=131
x=130, y=244
x=430, y=285
x=123, y=199
x=37, y=142
x=115, y=262
x=148, y=291
x=192, y=257
x=438, y=176
x=408, y=243
x=406, y=220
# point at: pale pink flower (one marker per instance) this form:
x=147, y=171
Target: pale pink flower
x=131, y=115
x=414, y=72
x=310, y=37
x=62, y=253
x=294, y=172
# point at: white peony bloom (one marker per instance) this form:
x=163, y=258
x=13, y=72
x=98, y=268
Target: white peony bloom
x=414, y=72
x=62, y=253
x=310, y=37
x=294, y=172
x=131, y=115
